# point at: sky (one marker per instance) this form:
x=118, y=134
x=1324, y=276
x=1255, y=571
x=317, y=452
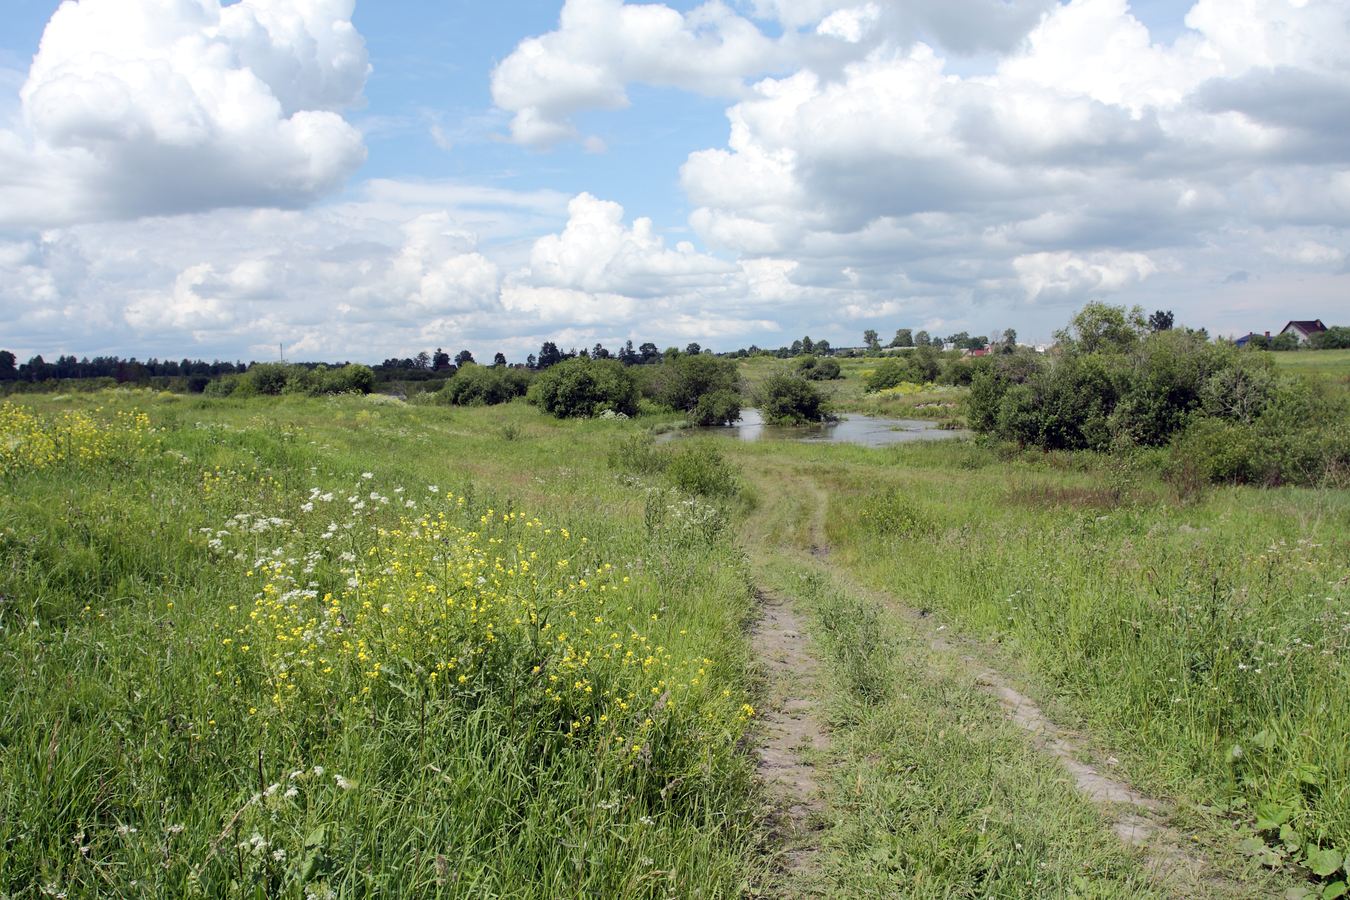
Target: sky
x=352, y=180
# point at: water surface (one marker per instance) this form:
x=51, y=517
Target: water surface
x=852, y=428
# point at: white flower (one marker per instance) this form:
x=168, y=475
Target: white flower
x=318, y=771
x=367, y=475
x=433, y=488
x=291, y=792
x=279, y=855
x=343, y=783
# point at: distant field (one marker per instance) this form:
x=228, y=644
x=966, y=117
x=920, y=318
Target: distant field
x=849, y=392
x=1333, y=365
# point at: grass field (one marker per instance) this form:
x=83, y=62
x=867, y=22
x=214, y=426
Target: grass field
x=356, y=647
x=341, y=648
x=1331, y=366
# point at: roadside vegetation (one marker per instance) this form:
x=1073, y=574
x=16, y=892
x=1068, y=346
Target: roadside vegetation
x=290, y=639
x=327, y=647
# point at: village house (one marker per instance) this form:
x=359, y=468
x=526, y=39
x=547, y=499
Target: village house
x=1304, y=331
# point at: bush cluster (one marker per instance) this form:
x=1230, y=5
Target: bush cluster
x=1225, y=413
x=694, y=468
x=818, y=368
x=787, y=399
x=919, y=366
x=271, y=379
x=474, y=385
x=705, y=388
x=583, y=388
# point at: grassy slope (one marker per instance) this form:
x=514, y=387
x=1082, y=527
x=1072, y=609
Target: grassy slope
x=1175, y=632
x=132, y=738
x=849, y=394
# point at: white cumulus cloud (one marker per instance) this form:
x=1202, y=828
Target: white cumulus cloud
x=133, y=108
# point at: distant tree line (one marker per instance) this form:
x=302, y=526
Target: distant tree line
x=114, y=367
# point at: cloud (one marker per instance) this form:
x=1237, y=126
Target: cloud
x=136, y=109
x=1062, y=276
x=600, y=47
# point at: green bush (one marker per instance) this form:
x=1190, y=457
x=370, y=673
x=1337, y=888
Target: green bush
x=918, y=366
x=475, y=385
x=786, y=399
x=818, y=368
x=222, y=387
x=582, y=388
x=683, y=382
x=267, y=379
x=893, y=515
x=699, y=468
x=1337, y=337
x=635, y=453
x=717, y=408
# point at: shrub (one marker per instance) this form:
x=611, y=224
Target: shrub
x=350, y=379
x=635, y=453
x=698, y=468
x=893, y=515
x=818, y=368
x=475, y=385
x=684, y=381
x=717, y=408
x=222, y=387
x=264, y=378
x=581, y=388
x=919, y=366
x=1337, y=337
x=786, y=399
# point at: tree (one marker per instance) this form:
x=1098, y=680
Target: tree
x=903, y=338
x=922, y=340
x=1337, y=337
x=688, y=378
x=649, y=353
x=1008, y=343
x=580, y=388
x=549, y=355
x=499, y=359
x=790, y=400
x=423, y=360
x=1161, y=320
x=599, y=351
x=440, y=360
x=8, y=371
x=462, y=357
x=808, y=345
x=1100, y=327
x=871, y=340
x=693, y=349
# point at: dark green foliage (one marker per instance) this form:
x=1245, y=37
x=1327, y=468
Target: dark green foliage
x=700, y=468
x=1337, y=337
x=1226, y=414
x=893, y=515
x=786, y=399
x=264, y=378
x=484, y=386
x=695, y=468
x=717, y=408
x=819, y=368
x=918, y=366
x=683, y=381
x=580, y=388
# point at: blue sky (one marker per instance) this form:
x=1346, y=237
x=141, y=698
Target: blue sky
x=360, y=180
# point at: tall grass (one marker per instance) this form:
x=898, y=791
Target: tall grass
x=1209, y=640
x=237, y=664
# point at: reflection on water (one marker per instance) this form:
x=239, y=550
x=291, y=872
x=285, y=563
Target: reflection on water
x=852, y=428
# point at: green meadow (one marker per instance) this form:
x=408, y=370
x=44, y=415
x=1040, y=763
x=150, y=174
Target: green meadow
x=352, y=646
